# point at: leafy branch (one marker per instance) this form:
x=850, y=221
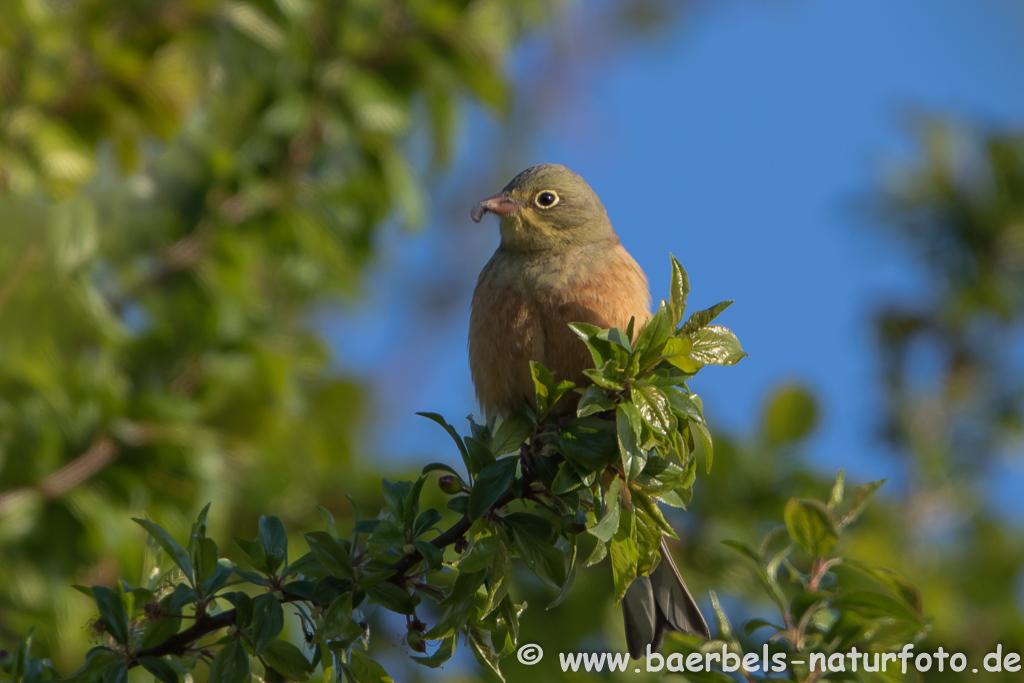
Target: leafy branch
x=530, y=487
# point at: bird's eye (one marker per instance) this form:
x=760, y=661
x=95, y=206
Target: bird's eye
x=546, y=199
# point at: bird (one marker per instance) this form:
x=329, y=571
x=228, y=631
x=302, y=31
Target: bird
x=560, y=261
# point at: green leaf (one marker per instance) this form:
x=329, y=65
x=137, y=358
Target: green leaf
x=651, y=342
x=680, y=289
x=274, y=540
x=493, y=481
x=533, y=537
x=392, y=597
x=267, y=621
x=161, y=669
x=365, y=670
x=432, y=555
x=705, y=439
x=594, y=401
x=481, y=554
x=500, y=575
x=333, y=553
x=861, y=497
x=724, y=625
x=650, y=509
x=754, y=624
x=288, y=660
x=455, y=437
x=628, y=429
x=605, y=529
x=112, y=612
x=790, y=414
x=170, y=546
x=677, y=353
x=606, y=376
x=624, y=553
x=96, y=660
x=337, y=618
x=716, y=345
x=702, y=318
x=599, y=552
x=441, y=655
x=412, y=504
x=439, y=466
x=253, y=552
x=395, y=493
x=653, y=406
x=456, y=607
x=548, y=391
x=811, y=526
x=231, y=665
x=510, y=434
x=906, y=591
x=570, y=577
x=588, y=442
x=872, y=605
x=158, y=631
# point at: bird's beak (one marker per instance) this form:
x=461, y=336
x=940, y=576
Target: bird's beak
x=500, y=204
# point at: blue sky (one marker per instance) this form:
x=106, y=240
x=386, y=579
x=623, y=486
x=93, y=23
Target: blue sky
x=747, y=140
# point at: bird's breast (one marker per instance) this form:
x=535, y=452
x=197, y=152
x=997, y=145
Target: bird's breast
x=523, y=304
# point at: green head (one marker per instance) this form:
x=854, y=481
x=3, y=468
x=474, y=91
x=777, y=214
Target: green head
x=547, y=208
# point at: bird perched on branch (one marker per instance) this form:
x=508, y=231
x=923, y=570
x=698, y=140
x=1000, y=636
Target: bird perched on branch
x=560, y=261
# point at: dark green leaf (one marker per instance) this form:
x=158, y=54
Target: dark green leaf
x=333, y=553
x=456, y=607
x=811, y=526
x=628, y=430
x=609, y=523
x=702, y=318
x=390, y=596
x=112, y=612
x=455, y=437
x=680, y=289
x=441, y=655
x=287, y=660
x=493, y=481
x=588, y=442
x=274, y=540
x=861, y=497
x=231, y=665
x=510, y=435
x=161, y=669
x=267, y=621
x=170, y=546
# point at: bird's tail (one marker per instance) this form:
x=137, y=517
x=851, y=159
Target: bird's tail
x=658, y=602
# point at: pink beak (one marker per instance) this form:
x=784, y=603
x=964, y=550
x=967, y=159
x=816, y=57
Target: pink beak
x=499, y=204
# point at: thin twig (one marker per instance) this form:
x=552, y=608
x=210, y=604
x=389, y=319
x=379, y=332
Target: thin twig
x=25, y=262
x=101, y=453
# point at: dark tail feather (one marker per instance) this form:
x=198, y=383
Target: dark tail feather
x=658, y=602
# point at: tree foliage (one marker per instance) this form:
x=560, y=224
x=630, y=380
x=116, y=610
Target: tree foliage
x=534, y=487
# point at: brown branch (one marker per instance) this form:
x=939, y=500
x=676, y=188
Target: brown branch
x=101, y=453
x=25, y=262
x=181, y=642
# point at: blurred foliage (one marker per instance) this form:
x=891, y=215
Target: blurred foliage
x=535, y=486
x=954, y=379
x=183, y=184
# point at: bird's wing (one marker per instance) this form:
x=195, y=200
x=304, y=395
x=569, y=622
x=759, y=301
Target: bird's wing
x=505, y=333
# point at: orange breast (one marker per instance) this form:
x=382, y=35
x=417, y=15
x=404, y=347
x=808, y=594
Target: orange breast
x=521, y=310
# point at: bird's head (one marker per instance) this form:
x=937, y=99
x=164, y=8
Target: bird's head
x=547, y=208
